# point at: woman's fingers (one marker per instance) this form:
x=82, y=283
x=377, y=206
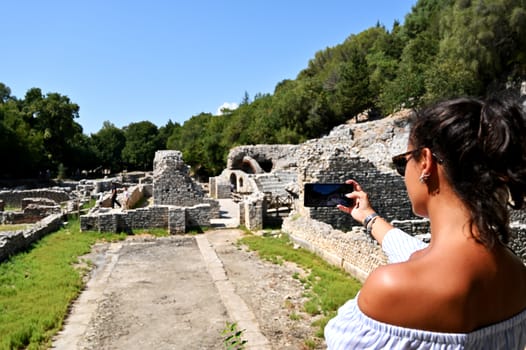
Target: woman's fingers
x=355, y=184
x=344, y=208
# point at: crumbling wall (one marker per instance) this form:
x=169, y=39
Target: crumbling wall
x=14, y=242
x=352, y=251
x=172, y=184
x=362, y=152
x=175, y=219
x=14, y=198
x=33, y=210
x=179, y=202
x=518, y=241
x=268, y=157
x=229, y=181
x=359, y=151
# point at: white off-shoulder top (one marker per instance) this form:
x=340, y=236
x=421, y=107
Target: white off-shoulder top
x=352, y=329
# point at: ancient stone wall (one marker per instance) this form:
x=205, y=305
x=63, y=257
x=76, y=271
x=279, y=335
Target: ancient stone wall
x=268, y=158
x=251, y=211
x=352, y=251
x=179, y=203
x=386, y=190
x=172, y=184
x=518, y=241
x=14, y=198
x=14, y=242
x=362, y=152
x=33, y=210
x=175, y=219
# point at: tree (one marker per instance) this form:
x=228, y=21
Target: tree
x=5, y=93
x=352, y=90
x=52, y=116
x=108, y=143
x=141, y=144
x=166, y=131
x=487, y=38
x=409, y=85
x=22, y=147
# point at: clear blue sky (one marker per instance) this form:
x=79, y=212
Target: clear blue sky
x=129, y=61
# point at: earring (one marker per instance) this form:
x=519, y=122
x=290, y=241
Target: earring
x=423, y=178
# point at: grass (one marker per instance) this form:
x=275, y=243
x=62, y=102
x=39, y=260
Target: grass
x=9, y=207
x=17, y=227
x=328, y=287
x=37, y=286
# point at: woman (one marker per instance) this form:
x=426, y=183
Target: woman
x=465, y=163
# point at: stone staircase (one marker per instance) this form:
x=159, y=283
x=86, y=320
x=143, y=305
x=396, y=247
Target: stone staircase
x=275, y=183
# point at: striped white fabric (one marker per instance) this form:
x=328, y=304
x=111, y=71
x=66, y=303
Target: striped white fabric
x=398, y=245
x=352, y=329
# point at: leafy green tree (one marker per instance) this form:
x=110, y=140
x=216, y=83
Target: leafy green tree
x=352, y=90
x=166, y=131
x=214, y=148
x=174, y=140
x=486, y=38
x=238, y=122
x=108, y=144
x=142, y=142
x=52, y=116
x=81, y=155
x=409, y=85
x=190, y=139
x=22, y=146
x=265, y=124
x=5, y=93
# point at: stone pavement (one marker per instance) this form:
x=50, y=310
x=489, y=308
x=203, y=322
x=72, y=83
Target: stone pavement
x=229, y=214
x=169, y=293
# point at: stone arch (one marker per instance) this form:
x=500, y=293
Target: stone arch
x=250, y=166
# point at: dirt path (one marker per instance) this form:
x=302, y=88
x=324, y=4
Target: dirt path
x=178, y=292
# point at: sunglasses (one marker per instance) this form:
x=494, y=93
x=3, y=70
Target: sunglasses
x=400, y=161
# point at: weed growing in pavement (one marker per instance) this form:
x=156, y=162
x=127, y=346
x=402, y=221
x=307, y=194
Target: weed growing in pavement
x=233, y=337
x=294, y=316
x=327, y=287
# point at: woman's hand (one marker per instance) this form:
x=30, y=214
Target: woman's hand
x=362, y=208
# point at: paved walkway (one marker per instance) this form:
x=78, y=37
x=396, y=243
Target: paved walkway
x=229, y=214
x=170, y=293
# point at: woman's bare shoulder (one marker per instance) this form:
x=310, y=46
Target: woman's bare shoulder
x=399, y=294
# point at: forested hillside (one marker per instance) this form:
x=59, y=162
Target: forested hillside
x=443, y=48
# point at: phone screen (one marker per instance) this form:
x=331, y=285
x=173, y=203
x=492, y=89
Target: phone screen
x=327, y=195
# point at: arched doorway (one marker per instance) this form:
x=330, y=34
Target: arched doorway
x=233, y=182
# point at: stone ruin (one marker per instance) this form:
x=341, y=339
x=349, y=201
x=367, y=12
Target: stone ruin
x=178, y=202
x=266, y=182
x=172, y=184
x=256, y=175
x=266, y=175
x=41, y=211
x=34, y=204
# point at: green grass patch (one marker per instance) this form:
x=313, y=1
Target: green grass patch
x=10, y=207
x=10, y=228
x=89, y=204
x=157, y=232
x=37, y=287
x=328, y=287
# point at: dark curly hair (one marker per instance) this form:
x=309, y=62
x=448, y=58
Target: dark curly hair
x=482, y=145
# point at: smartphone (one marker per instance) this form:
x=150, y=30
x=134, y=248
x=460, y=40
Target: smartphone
x=327, y=195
